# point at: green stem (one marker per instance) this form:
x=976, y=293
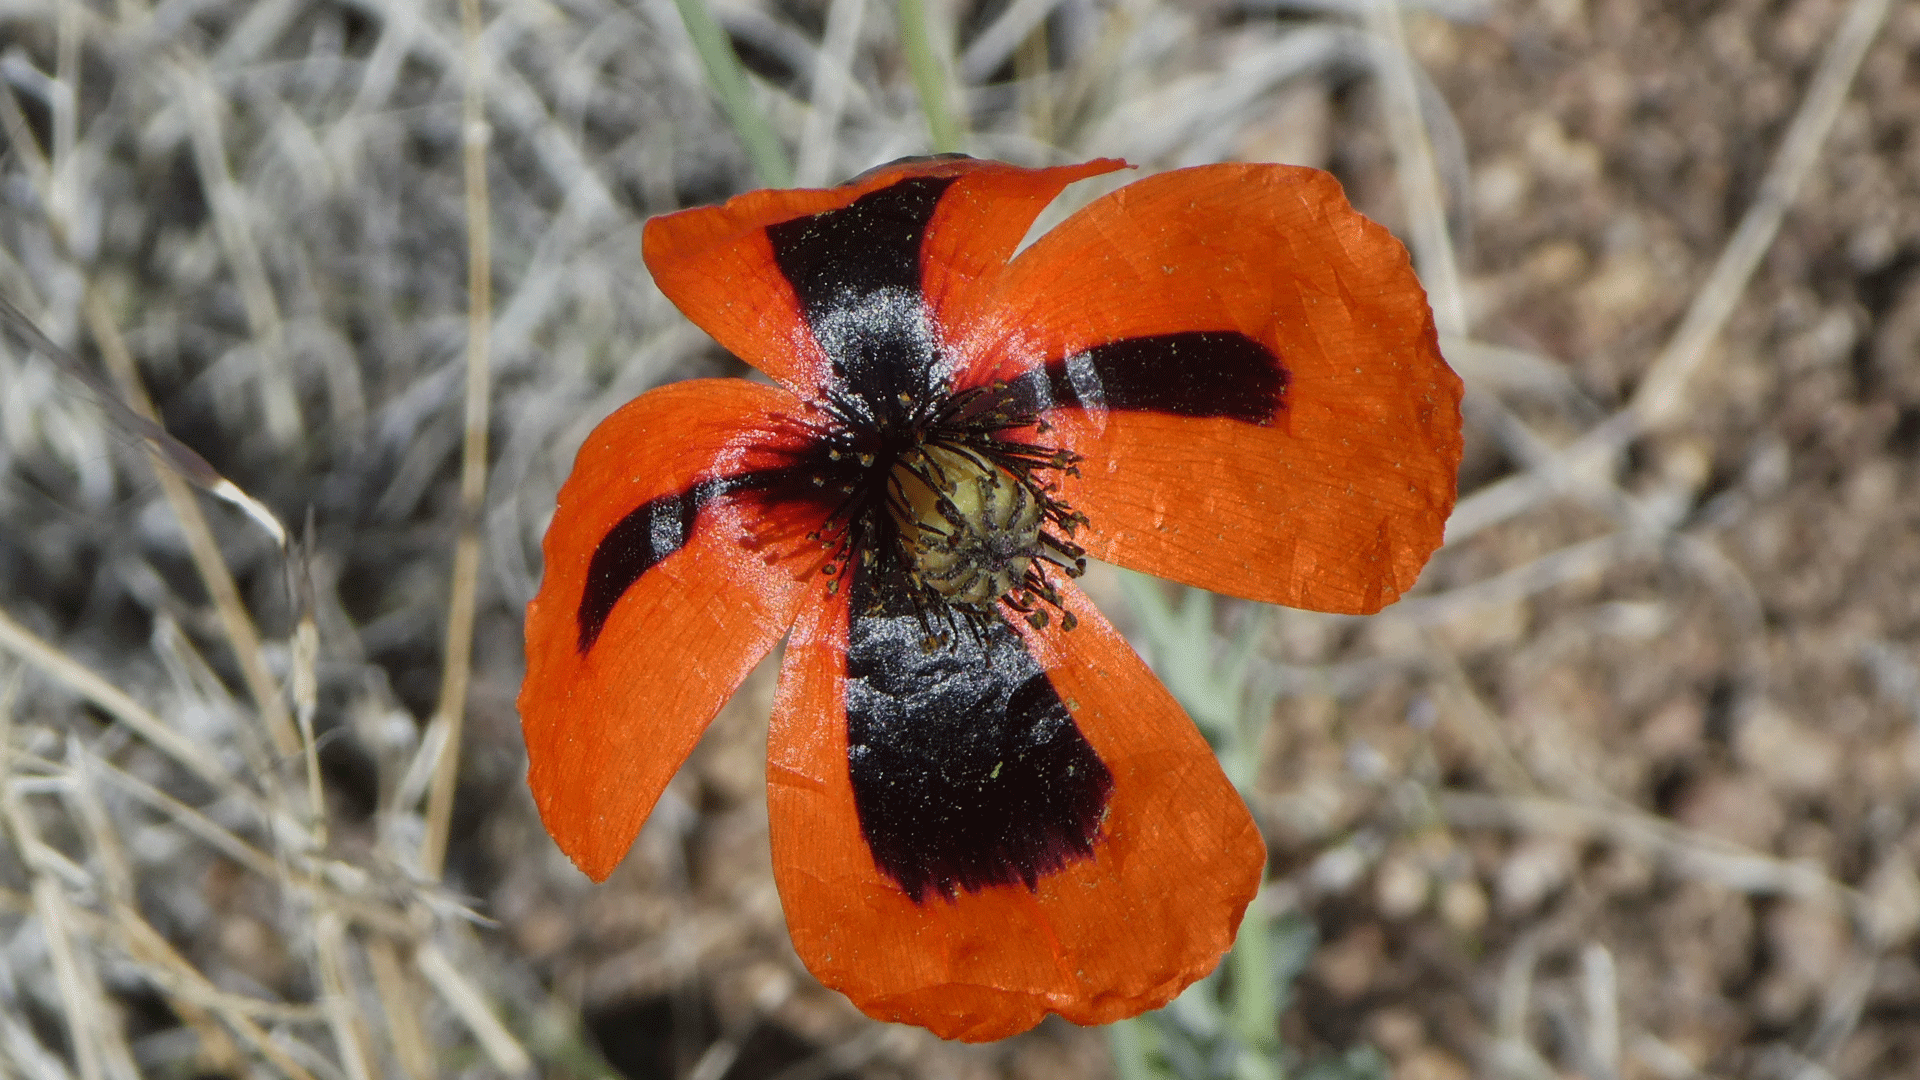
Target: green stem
x=1127, y=1042
x=729, y=81
x=1256, y=1007
x=929, y=77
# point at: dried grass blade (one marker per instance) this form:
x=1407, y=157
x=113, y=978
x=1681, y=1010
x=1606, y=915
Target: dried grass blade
x=450, y=714
x=464, y=998
x=147, y=947
x=242, y=634
x=280, y=409
x=399, y=1002
x=45, y=657
x=342, y=1005
x=1419, y=178
x=1658, y=398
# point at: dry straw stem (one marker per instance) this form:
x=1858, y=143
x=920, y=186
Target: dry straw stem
x=338, y=997
x=238, y=624
x=450, y=715
x=180, y=980
x=1419, y=179
x=242, y=635
x=178, y=455
x=471, y=1007
x=1434, y=253
x=832, y=82
x=162, y=964
x=84, y=1012
x=1600, y=993
x=996, y=44
x=231, y=214
x=178, y=976
x=116, y=703
x=395, y=985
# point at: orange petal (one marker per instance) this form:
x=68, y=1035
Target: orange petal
x=980, y=221
x=717, y=263
x=1335, y=499
x=693, y=592
x=1153, y=908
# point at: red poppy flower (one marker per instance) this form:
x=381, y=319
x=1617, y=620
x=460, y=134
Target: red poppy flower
x=984, y=808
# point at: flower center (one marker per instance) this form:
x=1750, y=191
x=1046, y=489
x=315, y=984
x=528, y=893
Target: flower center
x=946, y=501
x=968, y=525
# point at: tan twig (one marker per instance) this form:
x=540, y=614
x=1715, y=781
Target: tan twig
x=280, y=409
x=832, y=79
x=1658, y=398
x=1663, y=1059
x=995, y=44
x=49, y=660
x=1841, y=1006
x=342, y=1005
x=136, y=937
x=299, y=872
x=1413, y=158
x=1477, y=723
x=518, y=108
x=146, y=945
x=1513, y=1052
x=471, y=1007
x=1526, y=448
x=1894, y=675
x=66, y=114
x=84, y=1013
x=116, y=875
x=186, y=817
x=83, y=802
x=1600, y=992
x=1567, y=564
x=241, y=633
x=399, y=1003
x=1501, y=369
x=450, y=715
x=305, y=682
x=177, y=455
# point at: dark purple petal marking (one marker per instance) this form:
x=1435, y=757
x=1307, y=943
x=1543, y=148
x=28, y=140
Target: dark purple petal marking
x=661, y=526
x=856, y=271
x=643, y=538
x=1198, y=373
x=968, y=771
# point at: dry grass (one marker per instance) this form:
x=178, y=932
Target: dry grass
x=1631, y=788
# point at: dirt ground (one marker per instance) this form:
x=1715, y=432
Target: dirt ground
x=1629, y=787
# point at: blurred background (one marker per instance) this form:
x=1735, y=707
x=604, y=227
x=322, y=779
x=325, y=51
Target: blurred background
x=1629, y=788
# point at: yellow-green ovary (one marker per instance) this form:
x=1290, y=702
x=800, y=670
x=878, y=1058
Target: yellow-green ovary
x=969, y=526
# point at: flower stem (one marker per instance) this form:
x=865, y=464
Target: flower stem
x=929, y=77
x=729, y=81
x=1127, y=1042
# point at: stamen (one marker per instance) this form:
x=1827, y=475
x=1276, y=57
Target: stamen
x=966, y=521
